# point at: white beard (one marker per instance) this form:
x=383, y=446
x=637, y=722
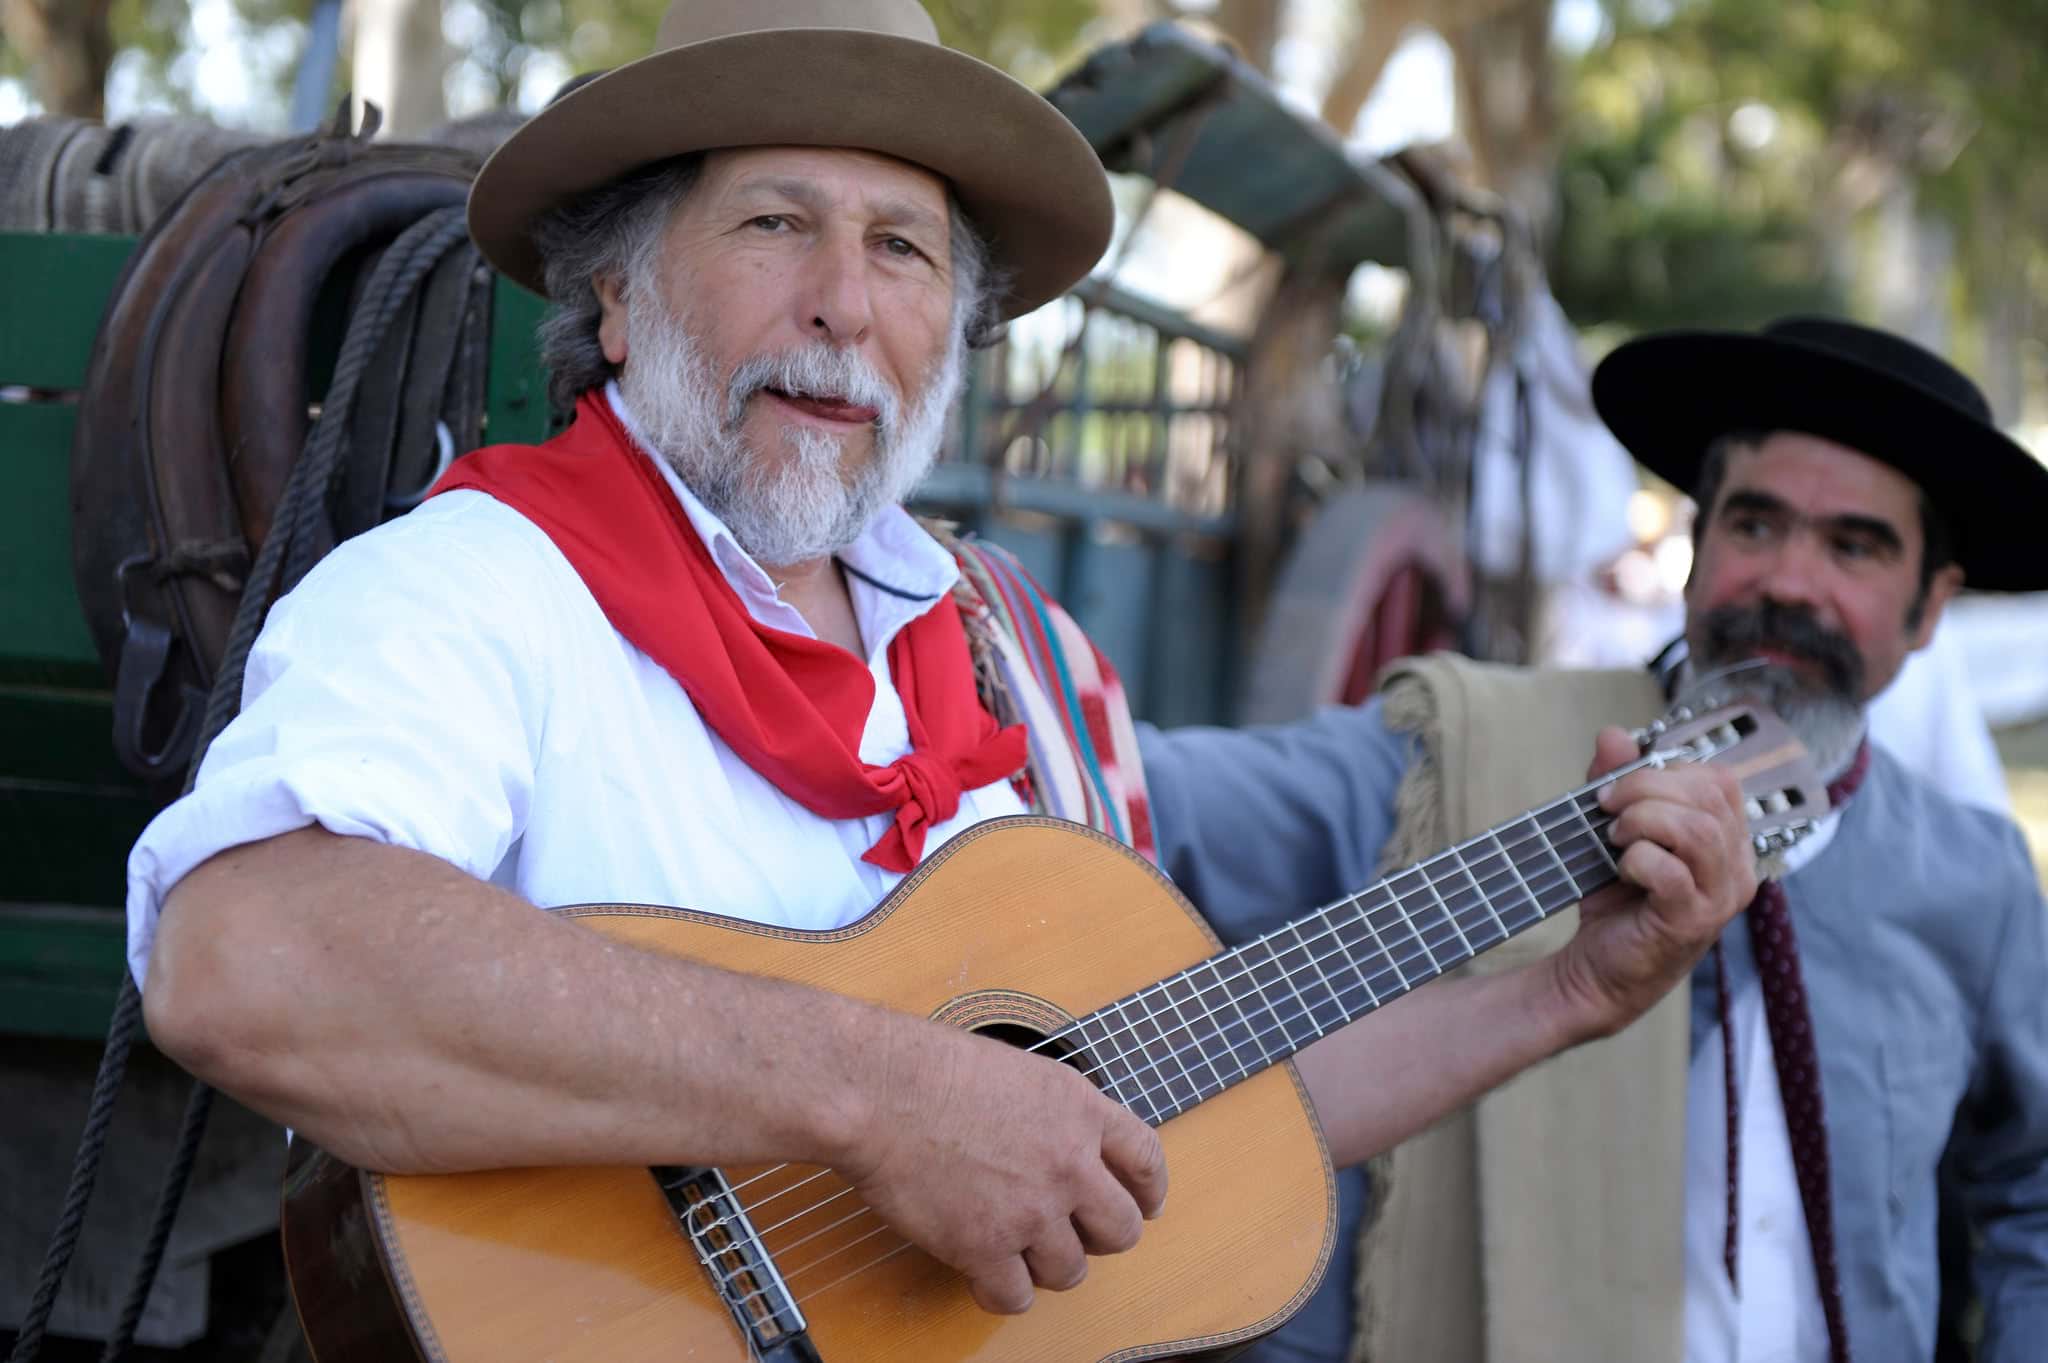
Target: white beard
x=805, y=505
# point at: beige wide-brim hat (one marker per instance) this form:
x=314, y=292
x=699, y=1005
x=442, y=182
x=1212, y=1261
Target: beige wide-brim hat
x=865, y=74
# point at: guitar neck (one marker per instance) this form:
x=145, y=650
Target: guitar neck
x=1189, y=1037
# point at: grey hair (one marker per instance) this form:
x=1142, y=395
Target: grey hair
x=616, y=230
x=979, y=285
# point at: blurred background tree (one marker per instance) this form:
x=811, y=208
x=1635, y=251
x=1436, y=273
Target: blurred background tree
x=1726, y=160
x=1702, y=162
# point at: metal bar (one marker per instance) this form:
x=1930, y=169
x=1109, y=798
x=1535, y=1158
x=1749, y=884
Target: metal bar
x=966, y=486
x=1103, y=294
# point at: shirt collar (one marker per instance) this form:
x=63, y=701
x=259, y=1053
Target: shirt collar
x=906, y=570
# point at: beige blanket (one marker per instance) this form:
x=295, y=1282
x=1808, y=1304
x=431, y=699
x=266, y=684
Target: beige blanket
x=1542, y=1225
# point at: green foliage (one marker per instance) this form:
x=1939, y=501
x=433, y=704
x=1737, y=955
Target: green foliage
x=1721, y=151
x=591, y=35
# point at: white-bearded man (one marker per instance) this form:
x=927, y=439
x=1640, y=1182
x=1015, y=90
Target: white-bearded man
x=693, y=652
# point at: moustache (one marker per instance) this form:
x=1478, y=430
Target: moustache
x=819, y=371
x=1743, y=631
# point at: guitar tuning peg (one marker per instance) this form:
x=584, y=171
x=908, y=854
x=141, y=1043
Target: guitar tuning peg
x=1647, y=735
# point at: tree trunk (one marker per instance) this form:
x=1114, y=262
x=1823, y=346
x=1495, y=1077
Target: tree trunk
x=2007, y=308
x=69, y=47
x=1286, y=408
x=399, y=60
x=1125, y=17
x=1381, y=26
x=1254, y=25
x=1507, y=106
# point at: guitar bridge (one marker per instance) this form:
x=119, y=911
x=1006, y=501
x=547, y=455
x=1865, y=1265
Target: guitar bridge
x=742, y=1273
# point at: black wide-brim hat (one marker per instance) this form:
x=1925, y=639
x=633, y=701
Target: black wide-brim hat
x=1668, y=396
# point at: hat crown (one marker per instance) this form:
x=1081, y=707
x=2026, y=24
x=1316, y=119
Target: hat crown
x=1892, y=355
x=696, y=21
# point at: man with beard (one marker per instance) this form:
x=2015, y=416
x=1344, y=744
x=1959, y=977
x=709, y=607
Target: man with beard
x=1868, y=1048
x=691, y=652
x=1880, y=1021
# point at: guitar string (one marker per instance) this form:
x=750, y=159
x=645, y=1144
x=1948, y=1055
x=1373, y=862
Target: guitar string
x=1280, y=1022
x=1468, y=896
x=1570, y=874
x=1397, y=917
x=883, y=1228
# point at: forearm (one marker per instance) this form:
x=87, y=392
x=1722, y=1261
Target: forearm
x=1405, y=1067
x=411, y=1018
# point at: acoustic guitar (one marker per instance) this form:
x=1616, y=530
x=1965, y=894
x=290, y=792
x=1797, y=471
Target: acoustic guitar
x=1039, y=932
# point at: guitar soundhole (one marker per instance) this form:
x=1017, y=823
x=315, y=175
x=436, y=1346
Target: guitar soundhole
x=1060, y=1048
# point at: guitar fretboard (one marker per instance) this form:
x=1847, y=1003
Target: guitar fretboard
x=1185, y=1039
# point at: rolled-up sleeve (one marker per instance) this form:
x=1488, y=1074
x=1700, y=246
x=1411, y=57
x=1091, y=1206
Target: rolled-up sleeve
x=392, y=695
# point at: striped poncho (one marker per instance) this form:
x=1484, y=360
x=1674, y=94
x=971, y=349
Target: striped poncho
x=1036, y=668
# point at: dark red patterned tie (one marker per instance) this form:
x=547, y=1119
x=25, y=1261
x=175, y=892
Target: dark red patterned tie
x=1798, y=1063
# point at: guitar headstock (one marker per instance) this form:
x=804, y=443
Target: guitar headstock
x=1783, y=794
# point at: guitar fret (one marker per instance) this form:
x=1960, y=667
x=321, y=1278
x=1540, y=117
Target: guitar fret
x=1599, y=843
x=1287, y=974
x=1516, y=871
x=1350, y=953
x=1100, y=1061
x=1485, y=901
x=1437, y=894
x=1385, y=954
x=1251, y=1032
x=1408, y=920
x=1166, y=1042
x=1252, y=968
x=1215, y=1029
x=1551, y=847
x=1328, y=988
x=1158, y=1080
x=1139, y=1089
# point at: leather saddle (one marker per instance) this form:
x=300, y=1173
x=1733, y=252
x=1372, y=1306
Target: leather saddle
x=210, y=361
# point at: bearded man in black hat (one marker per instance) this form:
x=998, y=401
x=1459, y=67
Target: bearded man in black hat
x=1875, y=1022
x=1884, y=1016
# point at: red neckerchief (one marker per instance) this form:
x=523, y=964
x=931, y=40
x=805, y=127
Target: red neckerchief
x=793, y=708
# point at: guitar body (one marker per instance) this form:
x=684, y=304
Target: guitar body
x=1019, y=925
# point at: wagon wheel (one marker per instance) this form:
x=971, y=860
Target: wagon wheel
x=1376, y=576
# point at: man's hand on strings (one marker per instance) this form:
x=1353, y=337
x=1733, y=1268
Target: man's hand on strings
x=1008, y=1166
x=1686, y=869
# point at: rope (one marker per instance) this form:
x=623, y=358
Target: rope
x=85, y=1167
x=198, y=1103
x=287, y=555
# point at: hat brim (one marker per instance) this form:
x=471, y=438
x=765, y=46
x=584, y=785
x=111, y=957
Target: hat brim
x=1667, y=397
x=1021, y=171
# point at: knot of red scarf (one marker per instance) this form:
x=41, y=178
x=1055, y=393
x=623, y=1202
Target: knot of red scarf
x=792, y=707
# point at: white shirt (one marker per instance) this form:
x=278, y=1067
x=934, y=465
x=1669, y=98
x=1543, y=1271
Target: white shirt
x=446, y=683
x=1778, y=1317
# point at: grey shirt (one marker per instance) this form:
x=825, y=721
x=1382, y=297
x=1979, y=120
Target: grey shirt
x=1923, y=941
